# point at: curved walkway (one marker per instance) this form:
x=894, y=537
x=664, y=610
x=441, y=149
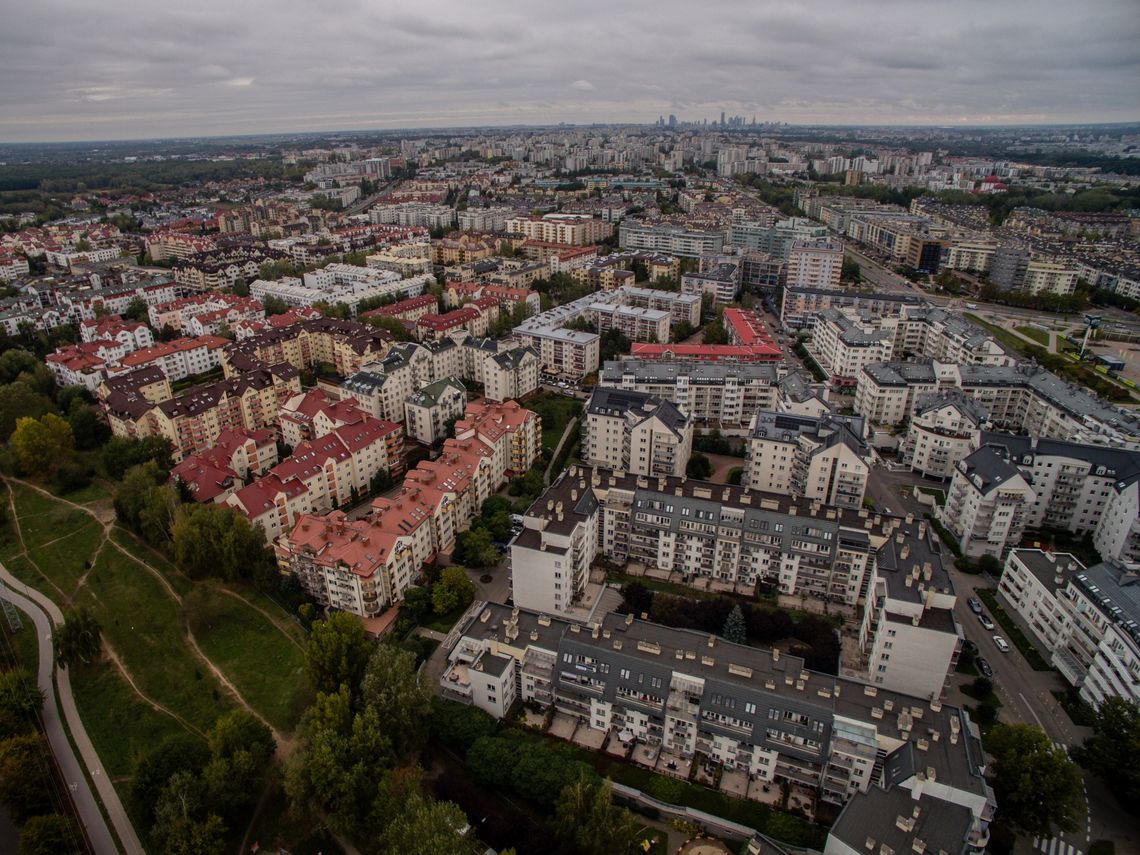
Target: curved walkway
x=45, y=615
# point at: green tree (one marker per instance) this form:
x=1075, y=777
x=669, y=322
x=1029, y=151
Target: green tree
x=714, y=332
x=1112, y=753
x=79, y=639
x=152, y=771
x=418, y=602
x=18, y=401
x=458, y=725
x=50, y=835
x=120, y=454
x=25, y=782
x=427, y=827
x=699, y=467
x=393, y=326
x=42, y=445
x=850, y=271
x=473, y=549
x=137, y=310
x=734, y=628
x=216, y=541
x=241, y=748
x=454, y=589
x=392, y=689
x=20, y=702
x=1037, y=786
x=587, y=818
x=337, y=653
x=15, y=362
x=274, y=305
x=89, y=430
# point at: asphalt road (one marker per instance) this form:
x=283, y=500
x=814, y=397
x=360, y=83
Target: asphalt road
x=38, y=607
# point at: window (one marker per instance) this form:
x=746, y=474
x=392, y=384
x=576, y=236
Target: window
x=624, y=673
x=750, y=708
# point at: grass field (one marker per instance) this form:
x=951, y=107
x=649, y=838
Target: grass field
x=555, y=411
x=267, y=668
x=1011, y=341
x=121, y=726
x=23, y=643
x=1038, y=335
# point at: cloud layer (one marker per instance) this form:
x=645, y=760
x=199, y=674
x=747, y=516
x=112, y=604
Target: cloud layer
x=70, y=69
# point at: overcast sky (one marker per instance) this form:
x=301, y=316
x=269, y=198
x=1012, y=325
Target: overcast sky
x=73, y=69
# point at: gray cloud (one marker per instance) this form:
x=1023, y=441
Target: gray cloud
x=73, y=70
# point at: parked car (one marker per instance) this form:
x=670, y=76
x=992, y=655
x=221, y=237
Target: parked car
x=975, y=605
x=970, y=647
x=985, y=621
x=1001, y=643
x=985, y=668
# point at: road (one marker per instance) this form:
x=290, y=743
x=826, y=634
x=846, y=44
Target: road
x=44, y=614
x=1025, y=694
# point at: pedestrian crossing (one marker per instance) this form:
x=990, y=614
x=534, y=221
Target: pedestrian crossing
x=1055, y=846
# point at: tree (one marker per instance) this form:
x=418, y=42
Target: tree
x=1112, y=753
x=418, y=602
x=850, y=271
x=152, y=771
x=453, y=591
x=392, y=689
x=42, y=445
x=989, y=564
x=120, y=454
x=20, y=702
x=79, y=639
x=241, y=748
x=337, y=653
x=426, y=827
x=50, y=835
x=89, y=430
x=458, y=725
x=714, y=332
x=137, y=310
x=274, y=305
x=699, y=467
x=587, y=818
x=473, y=549
x=15, y=362
x=212, y=541
x=25, y=777
x=18, y=400
x=734, y=629
x=1036, y=785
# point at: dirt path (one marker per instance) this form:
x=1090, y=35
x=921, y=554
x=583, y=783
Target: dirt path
x=123, y=670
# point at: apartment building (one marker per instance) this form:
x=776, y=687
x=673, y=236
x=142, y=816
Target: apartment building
x=418, y=214
x=312, y=414
x=814, y=264
x=822, y=458
x=715, y=393
x=12, y=267
x=510, y=299
x=1045, y=277
x=85, y=364
x=1021, y=398
x=634, y=323
x=484, y=219
x=412, y=258
x=730, y=536
x=1088, y=619
x=180, y=358
x=346, y=345
x=132, y=334
x=636, y=433
x=571, y=229
x=164, y=245
x=340, y=283
x=410, y=310
x=844, y=342
x=213, y=474
x=461, y=250
x=721, y=282
x=427, y=411
x=616, y=269
x=674, y=240
x=910, y=769
x=986, y=504
x=773, y=238
x=514, y=434
x=946, y=428
x=193, y=421
x=511, y=374
x=935, y=333
x=331, y=470
x=223, y=268
x=799, y=307
x=682, y=308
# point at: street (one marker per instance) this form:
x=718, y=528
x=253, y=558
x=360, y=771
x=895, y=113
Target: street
x=1025, y=694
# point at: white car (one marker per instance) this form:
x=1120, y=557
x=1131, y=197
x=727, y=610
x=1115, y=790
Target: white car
x=1001, y=643
x=985, y=621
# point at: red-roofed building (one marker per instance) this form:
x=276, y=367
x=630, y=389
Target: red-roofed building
x=411, y=309
x=704, y=352
x=180, y=358
x=132, y=334
x=437, y=326
x=513, y=432
x=509, y=298
x=312, y=414
x=205, y=481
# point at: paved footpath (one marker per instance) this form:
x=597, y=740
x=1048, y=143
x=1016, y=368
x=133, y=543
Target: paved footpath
x=45, y=614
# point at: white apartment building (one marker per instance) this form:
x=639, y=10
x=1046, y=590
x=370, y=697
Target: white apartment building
x=419, y=214
x=843, y=343
x=428, y=410
x=484, y=219
x=815, y=264
x=822, y=458
x=634, y=323
x=340, y=283
x=1044, y=277
x=1021, y=398
x=715, y=393
x=945, y=429
x=674, y=240
x=637, y=433
x=986, y=504
x=1087, y=618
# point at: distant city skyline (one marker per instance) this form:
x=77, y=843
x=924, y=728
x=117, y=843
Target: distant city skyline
x=72, y=71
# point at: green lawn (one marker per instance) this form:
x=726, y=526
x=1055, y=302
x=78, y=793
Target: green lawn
x=121, y=725
x=93, y=492
x=24, y=643
x=444, y=623
x=1011, y=341
x=144, y=553
x=145, y=627
x=59, y=540
x=1038, y=335
x=265, y=666
x=555, y=412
